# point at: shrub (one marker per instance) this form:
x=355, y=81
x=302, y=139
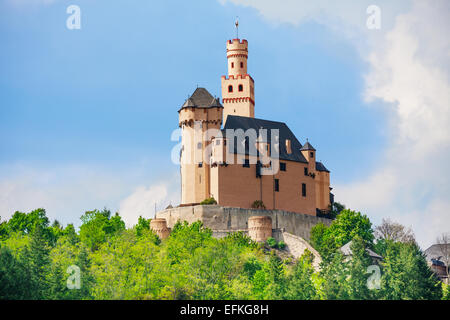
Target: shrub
x=281, y=245
x=208, y=201
x=258, y=204
x=271, y=242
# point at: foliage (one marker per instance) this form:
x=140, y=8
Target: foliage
x=348, y=225
x=120, y=263
x=406, y=274
x=445, y=292
x=271, y=242
x=98, y=226
x=208, y=201
x=258, y=204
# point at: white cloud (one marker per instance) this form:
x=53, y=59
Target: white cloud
x=67, y=192
x=409, y=63
x=409, y=71
x=143, y=200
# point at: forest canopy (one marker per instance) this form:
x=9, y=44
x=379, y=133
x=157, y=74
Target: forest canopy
x=106, y=260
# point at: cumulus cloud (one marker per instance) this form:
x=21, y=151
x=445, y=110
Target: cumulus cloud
x=409, y=72
x=144, y=200
x=66, y=192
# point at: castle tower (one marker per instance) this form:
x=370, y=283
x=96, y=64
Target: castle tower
x=238, y=88
x=200, y=113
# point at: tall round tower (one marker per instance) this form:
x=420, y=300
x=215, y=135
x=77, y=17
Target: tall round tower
x=238, y=88
x=200, y=113
x=237, y=55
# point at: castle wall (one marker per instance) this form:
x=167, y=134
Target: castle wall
x=238, y=186
x=228, y=218
x=296, y=246
x=322, y=190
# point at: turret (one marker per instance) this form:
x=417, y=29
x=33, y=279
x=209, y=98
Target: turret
x=199, y=113
x=309, y=153
x=238, y=88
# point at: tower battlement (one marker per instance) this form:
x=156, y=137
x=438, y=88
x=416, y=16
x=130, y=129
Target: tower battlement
x=237, y=41
x=238, y=76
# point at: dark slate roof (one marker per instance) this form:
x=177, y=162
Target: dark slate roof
x=245, y=123
x=321, y=167
x=435, y=251
x=308, y=146
x=201, y=98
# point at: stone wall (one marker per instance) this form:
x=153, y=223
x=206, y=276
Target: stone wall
x=227, y=218
x=296, y=246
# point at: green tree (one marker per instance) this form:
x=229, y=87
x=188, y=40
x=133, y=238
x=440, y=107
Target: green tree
x=334, y=274
x=37, y=257
x=358, y=276
x=406, y=275
x=342, y=230
x=300, y=284
x=15, y=282
x=98, y=226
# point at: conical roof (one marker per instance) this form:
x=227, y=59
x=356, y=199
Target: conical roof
x=201, y=98
x=308, y=146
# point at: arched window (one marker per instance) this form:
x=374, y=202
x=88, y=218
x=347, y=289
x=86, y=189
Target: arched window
x=242, y=65
x=241, y=87
x=230, y=88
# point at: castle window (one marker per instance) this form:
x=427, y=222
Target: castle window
x=232, y=65
x=230, y=88
x=217, y=142
x=277, y=185
x=241, y=87
x=242, y=65
x=306, y=171
x=311, y=154
x=282, y=166
x=246, y=163
x=304, y=189
x=200, y=164
x=199, y=145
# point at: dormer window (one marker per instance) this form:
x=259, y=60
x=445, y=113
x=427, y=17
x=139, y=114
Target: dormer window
x=230, y=88
x=288, y=146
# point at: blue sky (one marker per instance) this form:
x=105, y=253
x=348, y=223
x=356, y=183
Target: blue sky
x=94, y=109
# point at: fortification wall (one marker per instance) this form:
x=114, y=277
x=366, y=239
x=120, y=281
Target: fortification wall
x=296, y=246
x=227, y=218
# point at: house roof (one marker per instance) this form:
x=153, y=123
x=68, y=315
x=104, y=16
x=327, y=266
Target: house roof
x=201, y=98
x=237, y=122
x=436, y=251
x=347, y=251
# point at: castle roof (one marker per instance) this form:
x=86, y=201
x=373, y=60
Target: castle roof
x=201, y=98
x=321, y=167
x=245, y=123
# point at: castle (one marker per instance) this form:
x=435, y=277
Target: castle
x=265, y=182
x=249, y=162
